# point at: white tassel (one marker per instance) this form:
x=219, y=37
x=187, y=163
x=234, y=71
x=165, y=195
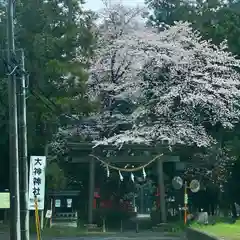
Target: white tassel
x=144, y=174
x=121, y=177
x=108, y=172
x=132, y=177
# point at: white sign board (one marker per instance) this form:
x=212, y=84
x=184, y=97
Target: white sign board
x=69, y=203
x=4, y=200
x=48, y=214
x=57, y=203
x=37, y=181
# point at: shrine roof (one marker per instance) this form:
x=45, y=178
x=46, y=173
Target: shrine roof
x=75, y=144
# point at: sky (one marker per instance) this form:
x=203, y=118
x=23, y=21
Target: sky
x=97, y=4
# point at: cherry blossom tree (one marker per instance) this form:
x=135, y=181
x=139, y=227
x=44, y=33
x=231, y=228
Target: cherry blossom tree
x=169, y=86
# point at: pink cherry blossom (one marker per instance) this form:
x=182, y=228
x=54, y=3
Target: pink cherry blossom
x=173, y=83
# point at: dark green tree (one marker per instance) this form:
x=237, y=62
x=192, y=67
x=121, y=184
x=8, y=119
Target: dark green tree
x=168, y=12
x=215, y=19
x=58, y=42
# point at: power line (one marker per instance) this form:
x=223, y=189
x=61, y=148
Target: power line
x=45, y=100
x=38, y=97
x=13, y=67
x=50, y=104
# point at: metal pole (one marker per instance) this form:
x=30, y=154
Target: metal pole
x=23, y=163
x=137, y=227
x=50, y=220
x=15, y=232
x=91, y=190
x=162, y=191
x=141, y=200
x=185, y=203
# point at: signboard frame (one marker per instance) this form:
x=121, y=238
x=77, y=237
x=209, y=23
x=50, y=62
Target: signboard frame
x=37, y=182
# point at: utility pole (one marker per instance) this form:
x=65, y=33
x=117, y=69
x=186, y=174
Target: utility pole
x=23, y=153
x=15, y=233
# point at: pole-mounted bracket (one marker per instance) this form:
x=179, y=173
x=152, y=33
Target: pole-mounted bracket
x=14, y=67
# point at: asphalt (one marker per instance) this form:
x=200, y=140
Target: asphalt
x=120, y=236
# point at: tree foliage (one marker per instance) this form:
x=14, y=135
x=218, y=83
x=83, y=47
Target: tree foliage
x=170, y=86
x=58, y=41
x=215, y=19
x=55, y=177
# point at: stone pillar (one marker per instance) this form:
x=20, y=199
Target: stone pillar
x=162, y=191
x=91, y=190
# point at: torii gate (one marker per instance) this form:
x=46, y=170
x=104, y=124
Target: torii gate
x=77, y=157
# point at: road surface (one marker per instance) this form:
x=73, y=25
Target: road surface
x=118, y=236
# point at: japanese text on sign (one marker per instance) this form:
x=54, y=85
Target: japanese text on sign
x=37, y=181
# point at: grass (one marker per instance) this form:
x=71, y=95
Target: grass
x=222, y=229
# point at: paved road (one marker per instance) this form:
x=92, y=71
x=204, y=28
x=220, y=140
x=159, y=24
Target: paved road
x=128, y=236
x=122, y=236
